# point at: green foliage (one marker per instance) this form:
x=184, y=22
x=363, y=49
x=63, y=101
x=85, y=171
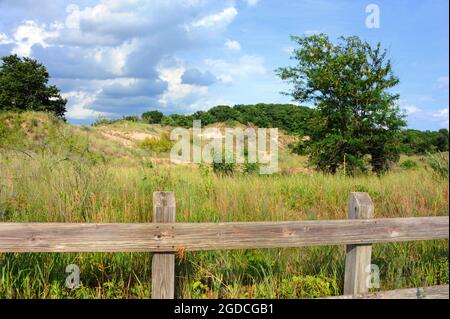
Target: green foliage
x=300, y=148
x=131, y=118
x=222, y=113
x=422, y=142
x=356, y=114
x=223, y=163
x=103, y=121
x=44, y=189
x=251, y=168
x=439, y=164
x=24, y=86
x=289, y=117
x=308, y=287
x=408, y=164
x=177, y=120
x=163, y=144
x=26, y=133
x=152, y=117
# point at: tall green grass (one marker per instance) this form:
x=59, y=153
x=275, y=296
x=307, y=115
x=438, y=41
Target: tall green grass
x=60, y=183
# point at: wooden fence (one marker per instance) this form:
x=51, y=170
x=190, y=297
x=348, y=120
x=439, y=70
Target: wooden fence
x=164, y=238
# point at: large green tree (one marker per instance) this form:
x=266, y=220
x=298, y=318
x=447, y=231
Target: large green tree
x=24, y=86
x=152, y=117
x=357, y=115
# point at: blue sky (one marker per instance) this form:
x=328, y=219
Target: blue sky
x=117, y=57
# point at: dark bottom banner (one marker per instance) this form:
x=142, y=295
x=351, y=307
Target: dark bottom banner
x=263, y=308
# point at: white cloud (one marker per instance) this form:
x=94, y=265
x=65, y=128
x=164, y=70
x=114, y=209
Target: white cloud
x=115, y=58
x=441, y=113
x=217, y=20
x=288, y=50
x=177, y=90
x=233, y=45
x=442, y=82
x=411, y=109
x=30, y=33
x=119, y=56
x=78, y=106
x=443, y=116
x=252, y=3
x=4, y=39
x=243, y=68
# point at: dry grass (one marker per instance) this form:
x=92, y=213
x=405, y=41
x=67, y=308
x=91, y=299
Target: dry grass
x=91, y=189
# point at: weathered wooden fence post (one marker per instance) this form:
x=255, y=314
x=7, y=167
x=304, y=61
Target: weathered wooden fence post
x=357, y=260
x=163, y=264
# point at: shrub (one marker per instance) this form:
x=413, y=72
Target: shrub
x=221, y=166
x=438, y=162
x=163, y=144
x=103, y=121
x=307, y=287
x=408, y=164
x=152, y=117
x=131, y=118
x=251, y=168
x=300, y=148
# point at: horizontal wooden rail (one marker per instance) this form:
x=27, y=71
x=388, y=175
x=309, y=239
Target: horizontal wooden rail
x=432, y=292
x=170, y=237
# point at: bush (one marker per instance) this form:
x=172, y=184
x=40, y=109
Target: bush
x=103, y=121
x=308, y=287
x=438, y=162
x=163, y=144
x=221, y=166
x=152, y=117
x=131, y=118
x=251, y=168
x=408, y=164
x=300, y=148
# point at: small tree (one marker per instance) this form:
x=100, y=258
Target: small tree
x=24, y=86
x=356, y=114
x=152, y=117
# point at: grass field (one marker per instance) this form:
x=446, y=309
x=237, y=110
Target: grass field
x=54, y=172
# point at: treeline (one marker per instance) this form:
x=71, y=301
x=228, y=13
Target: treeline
x=422, y=142
x=291, y=118
x=288, y=117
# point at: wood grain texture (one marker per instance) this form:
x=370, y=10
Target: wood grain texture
x=163, y=264
x=433, y=292
x=168, y=237
x=358, y=257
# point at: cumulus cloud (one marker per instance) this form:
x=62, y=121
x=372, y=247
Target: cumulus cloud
x=233, y=45
x=217, y=20
x=78, y=106
x=443, y=116
x=418, y=116
x=108, y=55
x=177, y=90
x=241, y=68
x=196, y=77
x=134, y=87
x=30, y=33
x=411, y=109
x=441, y=113
x=4, y=39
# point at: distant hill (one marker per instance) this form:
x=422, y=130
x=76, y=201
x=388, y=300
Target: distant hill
x=35, y=134
x=291, y=118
